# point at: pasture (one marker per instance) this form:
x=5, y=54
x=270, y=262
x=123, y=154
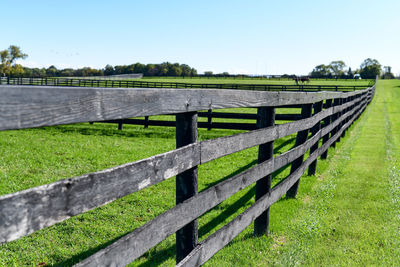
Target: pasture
x=302, y=230
x=231, y=80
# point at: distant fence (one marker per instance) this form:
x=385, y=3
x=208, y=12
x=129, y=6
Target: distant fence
x=255, y=77
x=115, y=77
x=326, y=115
x=145, y=84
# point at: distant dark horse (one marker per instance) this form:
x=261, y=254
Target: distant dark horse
x=302, y=79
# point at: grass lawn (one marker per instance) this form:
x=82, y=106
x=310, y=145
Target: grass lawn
x=348, y=214
x=254, y=81
x=40, y=156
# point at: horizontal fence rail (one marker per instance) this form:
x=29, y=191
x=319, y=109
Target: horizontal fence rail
x=146, y=122
x=85, y=82
x=25, y=107
x=25, y=212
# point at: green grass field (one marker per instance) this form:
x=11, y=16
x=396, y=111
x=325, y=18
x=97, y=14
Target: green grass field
x=348, y=214
x=254, y=81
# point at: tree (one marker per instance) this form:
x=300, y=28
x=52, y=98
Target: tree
x=337, y=67
x=8, y=58
x=17, y=70
x=131, y=68
x=51, y=71
x=67, y=72
x=370, y=68
x=174, y=71
x=387, y=73
x=208, y=73
x=186, y=70
x=151, y=70
x=350, y=74
x=321, y=71
x=139, y=68
x=16, y=53
x=121, y=69
x=108, y=70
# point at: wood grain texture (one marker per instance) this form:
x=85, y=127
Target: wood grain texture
x=247, y=116
x=218, y=240
x=215, y=125
x=133, y=245
x=27, y=211
x=266, y=118
x=327, y=121
x=36, y=106
x=315, y=129
x=219, y=147
x=186, y=183
x=142, y=239
x=306, y=111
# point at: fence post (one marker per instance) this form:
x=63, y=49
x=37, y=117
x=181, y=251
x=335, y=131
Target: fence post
x=327, y=121
x=146, y=122
x=120, y=125
x=338, y=117
x=336, y=102
x=313, y=166
x=186, y=183
x=342, y=101
x=209, y=119
x=265, y=118
x=355, y=106
x=344, y=111
x=306, y=112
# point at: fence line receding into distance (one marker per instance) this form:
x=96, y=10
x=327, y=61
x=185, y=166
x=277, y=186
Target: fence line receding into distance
x=326, y=115
x=123, y=83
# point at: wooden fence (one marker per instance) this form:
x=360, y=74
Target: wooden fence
x=76, y=82
x=326, y=115
x=146, y=121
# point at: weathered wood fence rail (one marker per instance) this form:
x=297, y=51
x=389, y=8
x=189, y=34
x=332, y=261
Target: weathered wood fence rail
x=146, y=122
x=30, y=210
x=76, y=82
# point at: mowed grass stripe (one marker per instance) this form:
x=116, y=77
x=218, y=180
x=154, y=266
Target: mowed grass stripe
x=348, y=214
x=359, y=224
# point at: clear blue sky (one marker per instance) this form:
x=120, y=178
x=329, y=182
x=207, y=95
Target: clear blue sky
x=253, y=36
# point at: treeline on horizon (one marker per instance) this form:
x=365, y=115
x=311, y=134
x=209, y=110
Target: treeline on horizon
x=163, y=69
x=369, y=69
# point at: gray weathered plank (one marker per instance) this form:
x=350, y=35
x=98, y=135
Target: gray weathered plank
x=61, y=200
x=27, y=211
x=316, y=128
x=301, y=137
x=36, y=106
x=208, y=247
x=219, y=147
x=133, y=245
